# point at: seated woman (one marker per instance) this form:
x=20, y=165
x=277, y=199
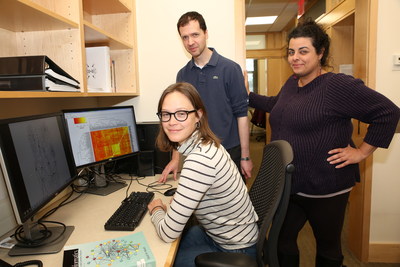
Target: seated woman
x=210, y=185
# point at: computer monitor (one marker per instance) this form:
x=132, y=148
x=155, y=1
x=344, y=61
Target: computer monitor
x=37, y=165
x=101, y=135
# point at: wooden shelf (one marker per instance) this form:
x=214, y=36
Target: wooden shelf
x=25, y=16
x=99, y=7
x=342, y=42
x=94, y=36
x=331, y=4
x=111, y=94
x=340, y=11
x=28, y=94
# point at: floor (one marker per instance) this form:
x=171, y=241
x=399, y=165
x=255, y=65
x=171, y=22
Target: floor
x=306, y=241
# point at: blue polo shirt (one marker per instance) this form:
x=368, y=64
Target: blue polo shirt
x=220, y=84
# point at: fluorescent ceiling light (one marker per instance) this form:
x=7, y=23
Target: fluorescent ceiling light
x=260, y=20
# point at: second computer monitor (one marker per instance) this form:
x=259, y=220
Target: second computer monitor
x=37, y=165
x=99, y=135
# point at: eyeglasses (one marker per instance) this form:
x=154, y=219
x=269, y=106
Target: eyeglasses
x=180, y=115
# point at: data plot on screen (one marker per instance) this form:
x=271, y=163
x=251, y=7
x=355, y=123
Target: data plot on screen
x=98, y=135
x=109, y=143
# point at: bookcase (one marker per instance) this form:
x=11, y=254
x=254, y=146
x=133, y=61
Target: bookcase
x=62, y=29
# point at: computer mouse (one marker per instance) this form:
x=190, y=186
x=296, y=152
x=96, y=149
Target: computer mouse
x=170, y=192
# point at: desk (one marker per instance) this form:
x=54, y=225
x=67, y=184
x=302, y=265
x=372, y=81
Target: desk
x=89, y=213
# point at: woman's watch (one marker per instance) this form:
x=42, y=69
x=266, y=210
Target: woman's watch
x=245, y=159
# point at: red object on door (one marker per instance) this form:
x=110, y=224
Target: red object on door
x=300, y=8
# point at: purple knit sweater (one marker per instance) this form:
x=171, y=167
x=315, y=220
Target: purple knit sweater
x=317, y=118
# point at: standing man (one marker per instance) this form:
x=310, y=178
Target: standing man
x=221, y=86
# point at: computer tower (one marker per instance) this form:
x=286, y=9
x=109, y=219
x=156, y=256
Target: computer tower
x=147, y=134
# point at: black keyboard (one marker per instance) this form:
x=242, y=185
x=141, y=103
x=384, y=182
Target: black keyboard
x=130, y=213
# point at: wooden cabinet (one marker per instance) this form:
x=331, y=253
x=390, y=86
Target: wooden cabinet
x=331, y=4
x=351, y=26
x=342, y=43
x=61, y=29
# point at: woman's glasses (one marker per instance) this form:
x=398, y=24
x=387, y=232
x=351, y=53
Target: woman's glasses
x=180, y=115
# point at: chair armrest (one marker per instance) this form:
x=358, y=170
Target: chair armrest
x=225, y=259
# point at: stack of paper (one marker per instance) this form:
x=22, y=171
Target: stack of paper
x=57, y=82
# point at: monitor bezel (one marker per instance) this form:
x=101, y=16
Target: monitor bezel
x=89, y=109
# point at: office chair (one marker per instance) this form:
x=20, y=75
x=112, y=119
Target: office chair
x=258, y=118
x=269, y=194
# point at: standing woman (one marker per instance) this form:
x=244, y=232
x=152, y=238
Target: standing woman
x=210, y=185
x=313, y=112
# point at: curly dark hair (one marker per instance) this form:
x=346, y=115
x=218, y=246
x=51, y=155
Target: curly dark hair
x=320, y=39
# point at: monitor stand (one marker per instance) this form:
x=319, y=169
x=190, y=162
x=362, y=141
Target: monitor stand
x=101, y=186
x=55, y=243
x=111, y=187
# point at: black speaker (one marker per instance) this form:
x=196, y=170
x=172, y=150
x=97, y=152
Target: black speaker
x=147, y=134
x=140, y=164
x=145, y=163
x=127, y=165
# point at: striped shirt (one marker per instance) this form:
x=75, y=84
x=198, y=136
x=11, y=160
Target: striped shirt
x=211, y=188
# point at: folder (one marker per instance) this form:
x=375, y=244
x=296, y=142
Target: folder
x=23, y=83
x=30, y=73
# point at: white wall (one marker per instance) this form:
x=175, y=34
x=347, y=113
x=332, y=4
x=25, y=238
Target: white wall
x=160, y=49
x=385, y=209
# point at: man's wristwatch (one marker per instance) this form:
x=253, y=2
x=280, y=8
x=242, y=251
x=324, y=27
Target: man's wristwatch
x=245, y=159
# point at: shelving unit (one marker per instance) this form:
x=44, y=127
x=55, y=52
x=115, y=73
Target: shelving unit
x=351, y=26
x=331, y=4
x=342, y=42
x=61, y=29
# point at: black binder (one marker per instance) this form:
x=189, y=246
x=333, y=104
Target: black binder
x=27, y=73
x=23, y=83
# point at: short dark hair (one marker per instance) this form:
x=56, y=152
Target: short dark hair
x=205, y=133
x=320, y=39
x=189, y=16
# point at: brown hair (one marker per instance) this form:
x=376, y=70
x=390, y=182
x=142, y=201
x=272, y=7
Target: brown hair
x=189, y=16
x=205, y=134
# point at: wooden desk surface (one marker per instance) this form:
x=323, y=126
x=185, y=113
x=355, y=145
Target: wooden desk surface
x=89, y=213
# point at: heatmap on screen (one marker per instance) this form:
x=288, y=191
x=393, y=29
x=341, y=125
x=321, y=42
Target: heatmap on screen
x=101, y=134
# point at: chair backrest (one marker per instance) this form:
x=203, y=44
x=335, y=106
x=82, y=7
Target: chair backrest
x=270, y=194
x=258, y=118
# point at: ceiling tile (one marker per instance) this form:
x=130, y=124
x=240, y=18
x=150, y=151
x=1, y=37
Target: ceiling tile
x=286, y=10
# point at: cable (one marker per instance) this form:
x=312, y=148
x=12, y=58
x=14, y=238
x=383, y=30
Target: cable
x=39, y=241
x=129, y=186
x=29, y=263
x=27, y=243
x=45, y=232
x=63, y=203
x=154, y=186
